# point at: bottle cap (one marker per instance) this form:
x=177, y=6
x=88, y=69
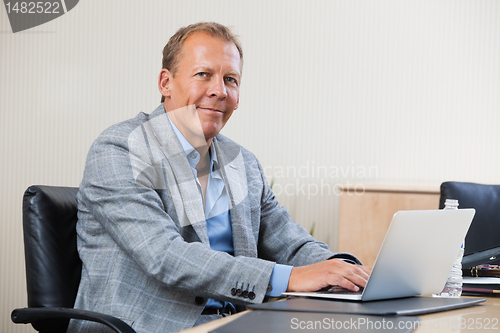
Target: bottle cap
x=451, y=203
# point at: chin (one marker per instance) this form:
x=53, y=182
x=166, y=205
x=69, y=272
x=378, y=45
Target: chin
x=211, y=130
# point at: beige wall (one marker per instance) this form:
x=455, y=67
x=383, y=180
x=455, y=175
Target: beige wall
x=373, y=92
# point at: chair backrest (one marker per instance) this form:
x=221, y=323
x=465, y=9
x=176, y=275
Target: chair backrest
x=482, y=243
x=53, y=267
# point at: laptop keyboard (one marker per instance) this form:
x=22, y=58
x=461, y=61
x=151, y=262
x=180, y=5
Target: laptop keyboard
x=340, y=290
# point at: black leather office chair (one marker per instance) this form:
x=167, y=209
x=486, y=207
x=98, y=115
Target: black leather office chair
x=53, y=267
x=482, y=244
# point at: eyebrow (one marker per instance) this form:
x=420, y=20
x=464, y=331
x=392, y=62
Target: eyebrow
x=234, y=73
x=210, y=68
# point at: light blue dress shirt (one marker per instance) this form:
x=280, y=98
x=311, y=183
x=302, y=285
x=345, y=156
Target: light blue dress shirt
x=218, y=218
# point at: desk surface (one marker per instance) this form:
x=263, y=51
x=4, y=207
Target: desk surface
x=481, y=318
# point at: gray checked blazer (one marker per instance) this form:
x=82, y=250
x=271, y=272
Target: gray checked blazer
x=142, y=235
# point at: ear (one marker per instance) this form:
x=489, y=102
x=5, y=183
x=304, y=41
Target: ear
x=163, y=82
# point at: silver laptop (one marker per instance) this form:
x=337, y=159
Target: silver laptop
x=416, y=256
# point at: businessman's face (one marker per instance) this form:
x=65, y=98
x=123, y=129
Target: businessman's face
x=207, y=79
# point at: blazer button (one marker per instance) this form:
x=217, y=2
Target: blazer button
x=199, y=300
x=244, y=294
x=238, y=292
x=251, y=295
x=233, y=291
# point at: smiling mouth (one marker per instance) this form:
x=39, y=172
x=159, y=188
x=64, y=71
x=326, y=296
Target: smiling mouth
x=209, y=109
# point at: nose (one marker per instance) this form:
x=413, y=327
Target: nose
x=217, y=88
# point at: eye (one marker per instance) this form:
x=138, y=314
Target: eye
x=231, y=80
x=202, y=74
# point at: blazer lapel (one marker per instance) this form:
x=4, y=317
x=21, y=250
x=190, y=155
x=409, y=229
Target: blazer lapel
x=232, y=168
x=181, y=181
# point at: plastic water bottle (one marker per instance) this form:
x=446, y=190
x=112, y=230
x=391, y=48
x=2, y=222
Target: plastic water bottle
x=453, y=286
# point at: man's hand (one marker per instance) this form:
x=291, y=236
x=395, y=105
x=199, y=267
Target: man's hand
x=333, y=272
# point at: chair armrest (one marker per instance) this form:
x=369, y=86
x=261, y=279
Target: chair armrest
x=29, y=315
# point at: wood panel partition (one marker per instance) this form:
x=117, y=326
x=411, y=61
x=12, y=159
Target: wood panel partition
x=366, y=211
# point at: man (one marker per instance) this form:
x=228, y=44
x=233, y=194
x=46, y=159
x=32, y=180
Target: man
x=177, y=224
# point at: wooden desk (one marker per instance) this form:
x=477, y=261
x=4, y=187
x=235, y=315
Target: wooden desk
x=466, y=319
x=461, y=320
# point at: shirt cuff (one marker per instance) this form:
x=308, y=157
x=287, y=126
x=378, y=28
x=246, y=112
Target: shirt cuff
x=279, y=280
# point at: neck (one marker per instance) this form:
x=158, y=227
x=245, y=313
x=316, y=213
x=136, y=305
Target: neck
x=203, y=166
x=187, y=122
